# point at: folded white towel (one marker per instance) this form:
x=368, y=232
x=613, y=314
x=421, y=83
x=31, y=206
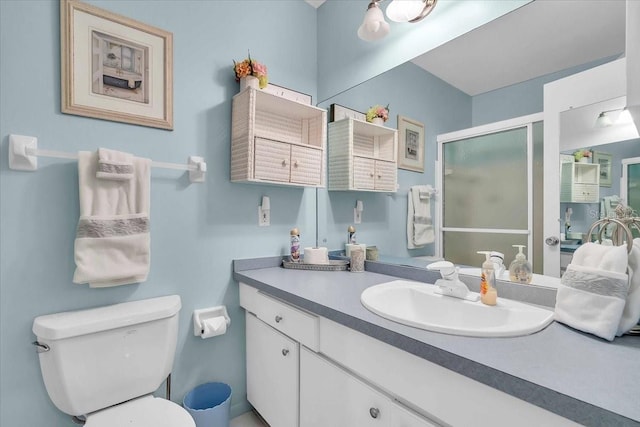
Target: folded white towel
x=419, y=225
x=112, y=242
x=594, y=290
x=631, y=313
x=114, y=165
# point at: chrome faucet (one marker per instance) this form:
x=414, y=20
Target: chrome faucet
x=450, y=285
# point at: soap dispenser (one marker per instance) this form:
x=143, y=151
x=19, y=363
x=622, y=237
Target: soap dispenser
x=520, y=270
x=488, y=292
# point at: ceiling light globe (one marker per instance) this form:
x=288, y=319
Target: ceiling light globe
x=404, y=10
x=373, y=27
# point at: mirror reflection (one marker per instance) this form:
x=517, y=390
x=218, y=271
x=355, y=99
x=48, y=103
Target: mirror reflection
x=411, y=91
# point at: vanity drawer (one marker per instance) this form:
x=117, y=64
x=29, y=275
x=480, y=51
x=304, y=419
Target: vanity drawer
x=291, y=321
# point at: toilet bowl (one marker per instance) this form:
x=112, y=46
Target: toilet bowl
x=105, y=363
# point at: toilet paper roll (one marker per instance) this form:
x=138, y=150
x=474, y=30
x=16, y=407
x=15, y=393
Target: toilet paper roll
x=316, y=256
x=213, y=327
x=350, y=246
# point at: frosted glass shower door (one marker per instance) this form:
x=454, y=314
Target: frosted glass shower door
x=487, y=192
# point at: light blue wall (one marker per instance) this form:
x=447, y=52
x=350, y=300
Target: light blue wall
x=410, y=92
x=196, y=230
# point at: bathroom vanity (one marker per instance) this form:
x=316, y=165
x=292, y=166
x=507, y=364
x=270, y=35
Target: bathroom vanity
x=317, y=357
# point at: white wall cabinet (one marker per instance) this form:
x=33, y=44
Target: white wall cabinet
x=362, y=156
x=579, y=182
x=275, y=140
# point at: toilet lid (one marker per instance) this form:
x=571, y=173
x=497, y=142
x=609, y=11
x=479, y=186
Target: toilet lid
x=147, y=411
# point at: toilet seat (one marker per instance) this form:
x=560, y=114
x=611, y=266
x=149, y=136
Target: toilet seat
x=146, y=411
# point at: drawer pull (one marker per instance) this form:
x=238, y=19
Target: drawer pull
x=278, y=319
x=285, y=351
x=374, y=412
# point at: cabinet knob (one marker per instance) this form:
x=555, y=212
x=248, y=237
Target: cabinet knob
x=285, y=351
x=371, y=174
x=278, y=319
x=295, y=164
x=374, y=412
x=284, y=163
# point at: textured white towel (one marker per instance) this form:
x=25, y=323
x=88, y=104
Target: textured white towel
x=631, y=313
x=594, y=289
x=112, y=241
x=419, y=227
x=114, y=165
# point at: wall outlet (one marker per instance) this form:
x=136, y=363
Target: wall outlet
x=357, y=216
x=264, y=217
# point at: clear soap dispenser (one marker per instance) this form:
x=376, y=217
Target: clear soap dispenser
x=488, y=292
x=520, y=270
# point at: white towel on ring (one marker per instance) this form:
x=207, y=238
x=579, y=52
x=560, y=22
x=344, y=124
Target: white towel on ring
x=594, y=290
x=112, y=241
x=419, y=225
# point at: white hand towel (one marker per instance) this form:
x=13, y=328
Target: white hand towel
x=631, y=313
x=114, y=165
x=419, y=225
x=594, y=289
x=112, y=242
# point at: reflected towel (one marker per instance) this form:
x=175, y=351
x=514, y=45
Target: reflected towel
x=631, y=313
x=594, y=289
x=419, y=225
x=112, y=240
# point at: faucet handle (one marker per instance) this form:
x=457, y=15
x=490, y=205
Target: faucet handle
x=446, y=268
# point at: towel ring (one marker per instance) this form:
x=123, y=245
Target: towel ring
x=606, y=221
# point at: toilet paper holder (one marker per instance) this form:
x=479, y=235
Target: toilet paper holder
x=203, y=314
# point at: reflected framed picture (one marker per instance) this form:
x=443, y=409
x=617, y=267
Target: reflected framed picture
x=410, y=144
x=604, y=160
x=115, y=68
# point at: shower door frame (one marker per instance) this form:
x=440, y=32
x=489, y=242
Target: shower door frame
x=483, y=130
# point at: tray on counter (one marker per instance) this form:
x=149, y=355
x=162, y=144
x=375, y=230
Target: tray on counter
x=334, y=265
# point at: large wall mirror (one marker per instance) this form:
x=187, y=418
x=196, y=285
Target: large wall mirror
x=413, y=92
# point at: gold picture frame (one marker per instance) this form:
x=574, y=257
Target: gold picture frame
x=115, y=68
x=410, y=144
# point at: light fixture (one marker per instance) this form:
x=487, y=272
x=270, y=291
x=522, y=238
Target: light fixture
x=373, y=27
x=605, y=120
x=409, y=10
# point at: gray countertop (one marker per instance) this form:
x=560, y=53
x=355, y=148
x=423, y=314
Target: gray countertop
x=573, y=374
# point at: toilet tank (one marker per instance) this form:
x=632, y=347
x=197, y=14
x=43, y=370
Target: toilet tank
x=104, y=356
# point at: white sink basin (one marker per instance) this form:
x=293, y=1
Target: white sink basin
x=416, y=304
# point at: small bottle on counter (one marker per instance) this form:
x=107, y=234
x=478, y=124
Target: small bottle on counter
x=295, y=245
x=488, y=292
x=520, y=270
x=351, y=235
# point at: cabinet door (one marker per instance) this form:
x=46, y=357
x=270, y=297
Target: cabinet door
x=272, y=160
x=403, y=417
x=272, y=373
x=330, y=397
x=385, y=179
x=363, y=173
x=306, y=165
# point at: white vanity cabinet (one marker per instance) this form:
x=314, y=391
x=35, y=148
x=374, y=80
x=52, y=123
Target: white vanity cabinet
x=362, y=156
x=579, y=182
x=330, y=396
x=275, y=140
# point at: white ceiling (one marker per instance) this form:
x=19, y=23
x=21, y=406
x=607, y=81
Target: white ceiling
x=539, y=38
x=542, y=37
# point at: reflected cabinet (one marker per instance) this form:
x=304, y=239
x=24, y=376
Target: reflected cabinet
x=362, y=156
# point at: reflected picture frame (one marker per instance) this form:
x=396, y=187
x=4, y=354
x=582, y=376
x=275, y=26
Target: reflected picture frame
x=604, y=160
x=115, y=68
x=410, y=144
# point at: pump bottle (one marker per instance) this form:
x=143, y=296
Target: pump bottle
x=488, y=292
x=520, y=270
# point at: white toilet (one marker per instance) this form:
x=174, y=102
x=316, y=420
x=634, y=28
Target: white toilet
x=105, y=363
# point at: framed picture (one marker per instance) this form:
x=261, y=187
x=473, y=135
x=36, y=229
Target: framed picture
x=338, y=112
x=410, y=144
x=604, y=160
x=115, y=68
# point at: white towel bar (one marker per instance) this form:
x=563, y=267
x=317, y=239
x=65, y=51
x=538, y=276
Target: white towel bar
x=23, y=154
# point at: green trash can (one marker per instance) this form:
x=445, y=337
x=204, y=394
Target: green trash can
x=209, y=404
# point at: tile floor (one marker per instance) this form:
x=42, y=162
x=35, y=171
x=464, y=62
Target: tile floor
x=248, y=419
